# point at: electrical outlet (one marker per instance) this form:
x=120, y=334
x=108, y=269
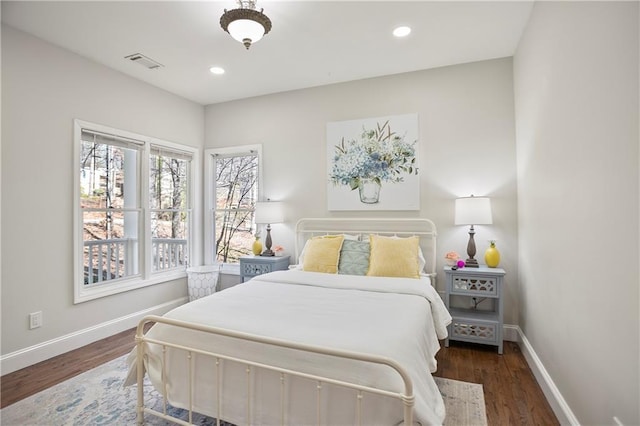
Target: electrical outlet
x=35, y=320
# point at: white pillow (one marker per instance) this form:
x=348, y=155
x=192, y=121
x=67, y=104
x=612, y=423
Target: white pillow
x=421, y=261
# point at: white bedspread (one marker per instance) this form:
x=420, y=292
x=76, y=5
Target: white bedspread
x=399, y=318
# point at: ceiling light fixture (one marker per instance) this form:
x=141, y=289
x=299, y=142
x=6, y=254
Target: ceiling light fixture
x=245, y=24
x=217, y=70
x=402, y=31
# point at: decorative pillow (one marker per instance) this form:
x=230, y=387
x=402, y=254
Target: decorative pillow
x=303, y=252
x=354, y=258
x=322, y=254
x=421, y=260
x=393, y=257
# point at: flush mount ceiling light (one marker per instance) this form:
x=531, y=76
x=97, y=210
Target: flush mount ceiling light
x=245, y=24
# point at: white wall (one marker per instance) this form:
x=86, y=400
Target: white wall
x=43, y=89
x=576, y=92
x=467, y=145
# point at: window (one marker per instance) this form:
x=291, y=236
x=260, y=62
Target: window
x=232, y=189
x=168, y=199
x=129, y=234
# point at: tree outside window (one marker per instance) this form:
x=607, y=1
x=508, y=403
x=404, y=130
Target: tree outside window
x=236, y=192
x=234, y=180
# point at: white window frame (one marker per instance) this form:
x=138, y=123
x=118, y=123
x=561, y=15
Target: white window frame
x=210, y=197
x=146, y=276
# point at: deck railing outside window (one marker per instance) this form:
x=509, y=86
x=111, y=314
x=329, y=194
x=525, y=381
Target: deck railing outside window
x=107, y=260
x=168, y=253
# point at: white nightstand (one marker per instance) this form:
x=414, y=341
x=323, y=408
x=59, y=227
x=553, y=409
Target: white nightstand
x=250, y=266
x=471, y=287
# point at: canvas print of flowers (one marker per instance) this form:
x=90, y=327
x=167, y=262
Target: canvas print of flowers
x=373, y=164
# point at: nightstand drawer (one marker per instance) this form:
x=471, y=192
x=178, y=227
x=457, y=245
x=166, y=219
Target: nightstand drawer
x=253, y=269
x=474, y=285
x=252, y=266
x=474, y=330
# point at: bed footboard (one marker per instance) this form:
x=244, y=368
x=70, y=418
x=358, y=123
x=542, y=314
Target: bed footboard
x=250, y=366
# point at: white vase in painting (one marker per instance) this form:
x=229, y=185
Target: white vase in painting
x=369, y=191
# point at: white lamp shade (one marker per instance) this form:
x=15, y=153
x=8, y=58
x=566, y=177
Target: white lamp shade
x=269, y=212
x=241, y=29
x=473, y=211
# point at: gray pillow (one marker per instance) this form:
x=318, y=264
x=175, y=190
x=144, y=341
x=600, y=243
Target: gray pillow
x=354, y=258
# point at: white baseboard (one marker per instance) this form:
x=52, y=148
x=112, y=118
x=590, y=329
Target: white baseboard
x=45, y=350
x=551, y=392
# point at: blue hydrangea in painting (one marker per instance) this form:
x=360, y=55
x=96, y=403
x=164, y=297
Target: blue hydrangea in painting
x=378, y=155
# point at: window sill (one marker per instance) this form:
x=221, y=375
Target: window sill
x=103, y=290
x=230, y=269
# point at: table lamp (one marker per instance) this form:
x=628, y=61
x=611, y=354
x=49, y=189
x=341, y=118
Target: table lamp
x=268, y=212
x=472, y=211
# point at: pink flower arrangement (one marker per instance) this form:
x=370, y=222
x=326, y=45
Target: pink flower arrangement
x=451, y=258
x=278, y=250
x=452, y=255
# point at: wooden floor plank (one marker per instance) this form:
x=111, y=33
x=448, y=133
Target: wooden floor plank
x=512, y=395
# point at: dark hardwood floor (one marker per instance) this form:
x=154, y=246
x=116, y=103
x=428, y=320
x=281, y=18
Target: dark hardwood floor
x=28, y=381
x=512, y=395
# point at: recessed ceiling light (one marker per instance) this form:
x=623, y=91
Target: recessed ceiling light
x=401, y=31
x=217, y=70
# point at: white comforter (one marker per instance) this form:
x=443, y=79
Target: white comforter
x=399, y=318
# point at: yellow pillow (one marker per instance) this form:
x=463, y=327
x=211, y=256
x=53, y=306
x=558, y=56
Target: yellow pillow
x=393, y=257
x=322, y=254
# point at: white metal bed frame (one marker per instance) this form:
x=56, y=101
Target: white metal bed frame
x=305, y=228
x=407, y=397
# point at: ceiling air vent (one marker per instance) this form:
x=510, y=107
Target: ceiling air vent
x=139, y=58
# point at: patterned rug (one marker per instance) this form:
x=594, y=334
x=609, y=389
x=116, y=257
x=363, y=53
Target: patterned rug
x=98, y=398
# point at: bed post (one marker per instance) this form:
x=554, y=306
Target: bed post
x=140, y=372
x=408, y=402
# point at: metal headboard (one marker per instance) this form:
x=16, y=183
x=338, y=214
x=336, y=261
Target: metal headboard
x=425, y=229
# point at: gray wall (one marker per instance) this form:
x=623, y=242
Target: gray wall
x=467, y=145
x=576, y=91
x=43, y=89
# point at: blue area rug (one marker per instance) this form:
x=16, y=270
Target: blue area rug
x=97, y=397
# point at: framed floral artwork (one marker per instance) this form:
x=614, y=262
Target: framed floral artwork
x=373, y=164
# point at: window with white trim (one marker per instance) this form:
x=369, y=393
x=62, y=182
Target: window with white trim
x=169, y=207
x=232, y=187
x=133, y=219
